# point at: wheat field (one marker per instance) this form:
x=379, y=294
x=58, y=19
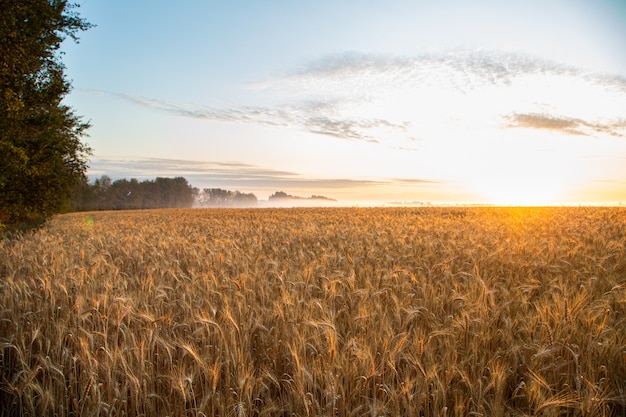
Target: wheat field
x=317, y=312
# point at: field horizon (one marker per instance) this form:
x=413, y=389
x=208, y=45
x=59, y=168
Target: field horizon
x=382, y=311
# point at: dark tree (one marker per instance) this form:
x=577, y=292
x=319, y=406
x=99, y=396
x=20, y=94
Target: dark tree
x=42, y=157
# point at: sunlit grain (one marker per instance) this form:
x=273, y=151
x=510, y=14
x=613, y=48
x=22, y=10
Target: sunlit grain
x=335, y=312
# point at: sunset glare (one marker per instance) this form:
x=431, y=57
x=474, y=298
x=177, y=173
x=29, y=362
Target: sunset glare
x=365, y=102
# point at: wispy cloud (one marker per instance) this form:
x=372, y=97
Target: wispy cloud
x=415, y=181
x=312, y=116
x=233, y=175
x=218, y=174
x=567, y=125
x=526, y=91
x=365, y=97
x=221, y=172
x=364, y=75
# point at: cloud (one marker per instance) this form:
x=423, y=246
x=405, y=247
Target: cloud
x=216, y=174
x=233, y=175
x=349, y=129
x=365, y=74
x=539, y=121
x=215, y=171
x=415, y=181
x=390, y=99
x=468, y=85
x=566, y=125
x=315, y=117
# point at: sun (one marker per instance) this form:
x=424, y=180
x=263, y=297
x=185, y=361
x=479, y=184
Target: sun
x=518, y=191
x=533, y=185
x=522, y=177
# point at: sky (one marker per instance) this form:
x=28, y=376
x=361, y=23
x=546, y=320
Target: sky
x=366, y=102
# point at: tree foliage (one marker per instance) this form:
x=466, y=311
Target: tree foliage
x=217, y=197
x=41, y=153
x=123, y=194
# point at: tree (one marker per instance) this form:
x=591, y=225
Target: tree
x=174, y=192
x=41, y=154
x=217, y=197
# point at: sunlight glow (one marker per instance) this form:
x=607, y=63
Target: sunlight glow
x=528, y=191
x=524, y=171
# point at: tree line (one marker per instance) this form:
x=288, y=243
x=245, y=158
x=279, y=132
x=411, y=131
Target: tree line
x=280, y=196
x=123, y=194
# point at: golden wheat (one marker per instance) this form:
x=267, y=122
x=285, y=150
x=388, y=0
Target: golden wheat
x=321, y=312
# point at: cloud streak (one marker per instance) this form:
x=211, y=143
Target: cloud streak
x=566, y=125
x=314, y=117
x=235, y=175
x=371, y=98
x=364, y=75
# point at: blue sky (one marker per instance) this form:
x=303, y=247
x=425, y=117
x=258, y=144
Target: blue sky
x=506, y=102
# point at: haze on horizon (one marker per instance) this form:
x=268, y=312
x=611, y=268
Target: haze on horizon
x=516, y=102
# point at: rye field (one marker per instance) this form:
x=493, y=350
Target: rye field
x=316, y=312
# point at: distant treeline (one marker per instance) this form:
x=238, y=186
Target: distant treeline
x=106, y=194
x=217, y=197
x=282, y=196
x=123, y=194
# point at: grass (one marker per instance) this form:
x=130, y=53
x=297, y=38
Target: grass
x=317, y=312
